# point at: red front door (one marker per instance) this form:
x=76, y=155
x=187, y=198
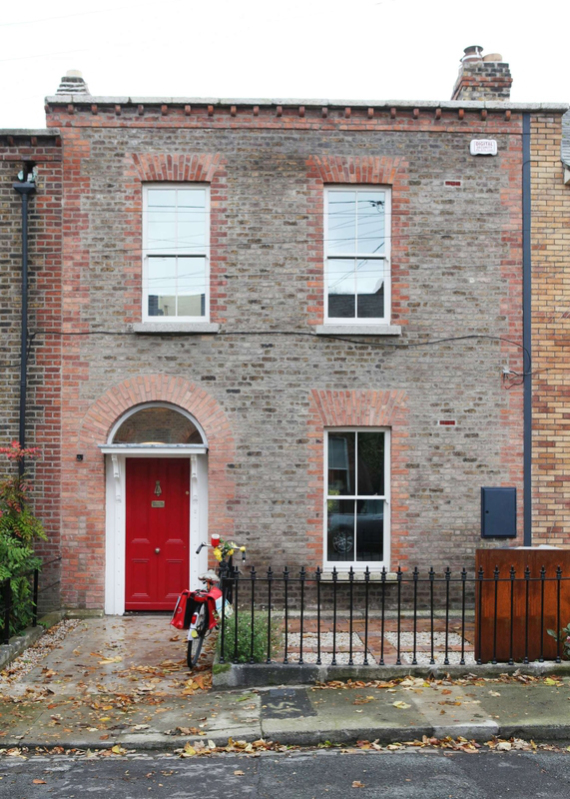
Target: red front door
x=157, y=531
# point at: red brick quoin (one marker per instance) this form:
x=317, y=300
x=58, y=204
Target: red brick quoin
x=365, y=408
x=83, y=494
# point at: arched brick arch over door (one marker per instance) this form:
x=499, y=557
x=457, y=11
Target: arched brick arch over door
x=83, y=488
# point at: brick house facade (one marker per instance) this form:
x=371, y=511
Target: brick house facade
x=43, y=407
x=273, y=383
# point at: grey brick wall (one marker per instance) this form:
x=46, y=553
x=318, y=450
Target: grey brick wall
x=461, y=275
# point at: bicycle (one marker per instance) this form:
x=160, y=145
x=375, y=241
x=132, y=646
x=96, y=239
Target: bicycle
x=200, y=611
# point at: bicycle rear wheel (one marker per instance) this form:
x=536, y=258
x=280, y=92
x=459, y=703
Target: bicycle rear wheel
x=195, y=644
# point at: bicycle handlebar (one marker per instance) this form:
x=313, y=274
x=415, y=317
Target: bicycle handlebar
x=203, y=544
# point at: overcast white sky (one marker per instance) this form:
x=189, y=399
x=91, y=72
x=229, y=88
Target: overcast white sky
x=335, y=49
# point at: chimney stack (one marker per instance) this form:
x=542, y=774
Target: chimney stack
x=73, y=83
x=482, y=77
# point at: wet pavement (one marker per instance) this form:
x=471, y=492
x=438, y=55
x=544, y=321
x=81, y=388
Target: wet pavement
x=124, y=680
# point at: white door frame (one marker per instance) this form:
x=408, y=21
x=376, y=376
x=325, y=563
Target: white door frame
x=115, y=526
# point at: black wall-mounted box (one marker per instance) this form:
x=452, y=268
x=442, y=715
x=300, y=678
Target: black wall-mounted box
x=498, y=512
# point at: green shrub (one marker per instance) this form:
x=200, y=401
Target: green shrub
x=19, y=528
x=244, y=637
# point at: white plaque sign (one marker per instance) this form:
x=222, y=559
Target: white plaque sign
x=483, y=147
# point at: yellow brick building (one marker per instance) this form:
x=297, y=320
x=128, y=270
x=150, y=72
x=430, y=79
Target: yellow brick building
x=550, y=242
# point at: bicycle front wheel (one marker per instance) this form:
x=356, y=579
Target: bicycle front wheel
x=195, y=643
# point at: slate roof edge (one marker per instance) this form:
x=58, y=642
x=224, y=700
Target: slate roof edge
x=88, y=100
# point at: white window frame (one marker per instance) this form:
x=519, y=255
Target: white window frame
x=358, y=565
x=174, y=320
x=385, y=257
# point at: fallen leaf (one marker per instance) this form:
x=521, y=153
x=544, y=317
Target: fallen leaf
x=39, y=782
x=106, y=661
x=239, y=773
x=401, y=705
x=494, y=693
x=358, y=784
x=118, y=750
x=188, y=751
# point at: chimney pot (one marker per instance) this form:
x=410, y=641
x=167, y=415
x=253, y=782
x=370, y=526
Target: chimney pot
x=73, y=83
x=482, y=77
x=472, y=53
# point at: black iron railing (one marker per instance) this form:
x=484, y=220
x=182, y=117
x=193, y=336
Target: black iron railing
x=7, y=603
x=401, y=618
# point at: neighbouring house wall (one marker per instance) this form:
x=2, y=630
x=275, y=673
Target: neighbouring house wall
x=43, y=413
x=269, y=384
x=551, y=335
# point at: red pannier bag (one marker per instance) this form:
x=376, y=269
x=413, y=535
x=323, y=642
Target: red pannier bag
x=181, y=616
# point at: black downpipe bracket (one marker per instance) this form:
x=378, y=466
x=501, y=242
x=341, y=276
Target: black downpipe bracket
x=527, y=332
x=25, y=190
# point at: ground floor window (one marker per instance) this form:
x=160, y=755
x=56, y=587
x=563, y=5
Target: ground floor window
x=357, y=495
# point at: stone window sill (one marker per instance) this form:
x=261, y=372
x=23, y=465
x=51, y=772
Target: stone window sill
x=343, y=576
x=188, y=328
x=358, y=330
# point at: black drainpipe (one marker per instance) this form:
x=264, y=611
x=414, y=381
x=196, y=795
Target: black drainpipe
x=527, y=333
x=25, y=189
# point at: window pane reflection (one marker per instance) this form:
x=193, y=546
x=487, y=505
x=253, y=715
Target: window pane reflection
x=370, y=287
x=340, y=527
x=191, y=286
x=157, y=426
x=161, y=286
x=341, y=282
x=371, y=234
x=370, y=530
x=371, y=464
x=341, y=464
x=341, y=221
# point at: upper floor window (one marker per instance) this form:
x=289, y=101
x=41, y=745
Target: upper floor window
x=357, y=254
x=176, y=248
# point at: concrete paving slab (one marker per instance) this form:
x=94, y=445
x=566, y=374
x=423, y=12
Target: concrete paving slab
x=536, y=711
x=113, y=654
x=16, y=720
x=343, y=716
x=443, y=706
